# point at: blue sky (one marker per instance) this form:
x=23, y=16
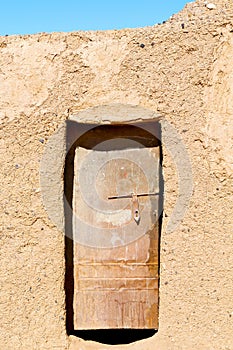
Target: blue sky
x=33, y=16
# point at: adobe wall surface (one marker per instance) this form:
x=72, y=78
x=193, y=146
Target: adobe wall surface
x=183, y=74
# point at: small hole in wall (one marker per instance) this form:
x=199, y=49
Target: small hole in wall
x=115, y=336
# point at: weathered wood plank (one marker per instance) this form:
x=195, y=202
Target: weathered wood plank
x=117, y=309
x=115, y=286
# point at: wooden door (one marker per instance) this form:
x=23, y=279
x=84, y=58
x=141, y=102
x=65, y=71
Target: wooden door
x=116, y=253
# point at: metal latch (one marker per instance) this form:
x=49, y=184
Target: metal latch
x=135, y=204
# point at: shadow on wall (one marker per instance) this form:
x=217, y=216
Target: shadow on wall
x=115, y=336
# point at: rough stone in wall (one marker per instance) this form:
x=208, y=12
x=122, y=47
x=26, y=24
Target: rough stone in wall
x=182, y=70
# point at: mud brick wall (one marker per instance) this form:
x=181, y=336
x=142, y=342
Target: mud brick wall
x=181, y=70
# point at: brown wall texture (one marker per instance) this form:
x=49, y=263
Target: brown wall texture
x=183, y=73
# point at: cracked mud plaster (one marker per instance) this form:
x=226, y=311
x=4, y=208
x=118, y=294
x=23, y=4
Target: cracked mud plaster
x=183, y=72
